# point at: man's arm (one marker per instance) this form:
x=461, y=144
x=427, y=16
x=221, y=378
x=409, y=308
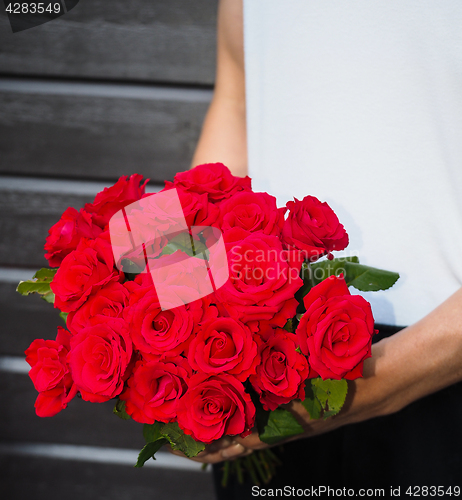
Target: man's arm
x=416, y=362
x=223, y=137
x=405, y=367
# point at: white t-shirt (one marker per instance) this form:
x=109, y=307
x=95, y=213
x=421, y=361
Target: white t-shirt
x=359, y=103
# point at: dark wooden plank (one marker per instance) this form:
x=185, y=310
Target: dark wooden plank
x=163, y=41
x=98, y=131
x=49, y=479
x=24, y=319
x=29, y=207
x=81, y=423
x=25, y=218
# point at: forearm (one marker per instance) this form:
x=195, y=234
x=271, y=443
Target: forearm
x=403, y=368
x=223, y=137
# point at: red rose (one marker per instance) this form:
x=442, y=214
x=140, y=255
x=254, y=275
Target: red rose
x=50, y=373
x=212, y=178
x=281, y=375
x=163, y=333
x=263, y=278
x=263, y=329
x=65, y=235
x=197, y=209
x=336, y=330
x=214, y=406
x=153, y=221
x=252, y=212
x=223, y=344
x=155, y=388
x=108, y=301
x=99, y=357
x=156, y=219
x=178, y=279
x=82, y=272
x=111, y=200
x=313, y=228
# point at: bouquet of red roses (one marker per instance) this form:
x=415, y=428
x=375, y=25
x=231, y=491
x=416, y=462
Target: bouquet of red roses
x=202, y=310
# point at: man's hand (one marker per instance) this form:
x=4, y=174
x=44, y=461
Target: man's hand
x=230, y=448
x=223, y=138
x=407, y=366
x=226, y=448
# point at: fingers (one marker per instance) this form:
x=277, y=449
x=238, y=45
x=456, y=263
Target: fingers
x=223, y=451
x=233, y=451
x=251, y=442
x=227, y=448
x=218, y=451
x=220, y=444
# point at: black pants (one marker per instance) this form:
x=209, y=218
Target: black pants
x=420, y=445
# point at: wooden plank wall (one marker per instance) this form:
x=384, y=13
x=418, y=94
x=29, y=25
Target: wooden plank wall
x=109, y=89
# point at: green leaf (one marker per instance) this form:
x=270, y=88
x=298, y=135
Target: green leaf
x=281, y=424
x=369, y=279
x=311, y=402
x=154, y=439
x=306, y=275
x=63, y=316
x=323, y=269
x=313, y=274
x=119, y=410
x=181, y=441
x=31, y=286
x=49, y=297
x=152, y=432
x=261, y=415
x=183, y=242
x=46, y=274
x=40, y=284
x=149, y=451
x=131, y=269
x=364, y=278
x=288, y=326
x=187, y=244
x=330, y=393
